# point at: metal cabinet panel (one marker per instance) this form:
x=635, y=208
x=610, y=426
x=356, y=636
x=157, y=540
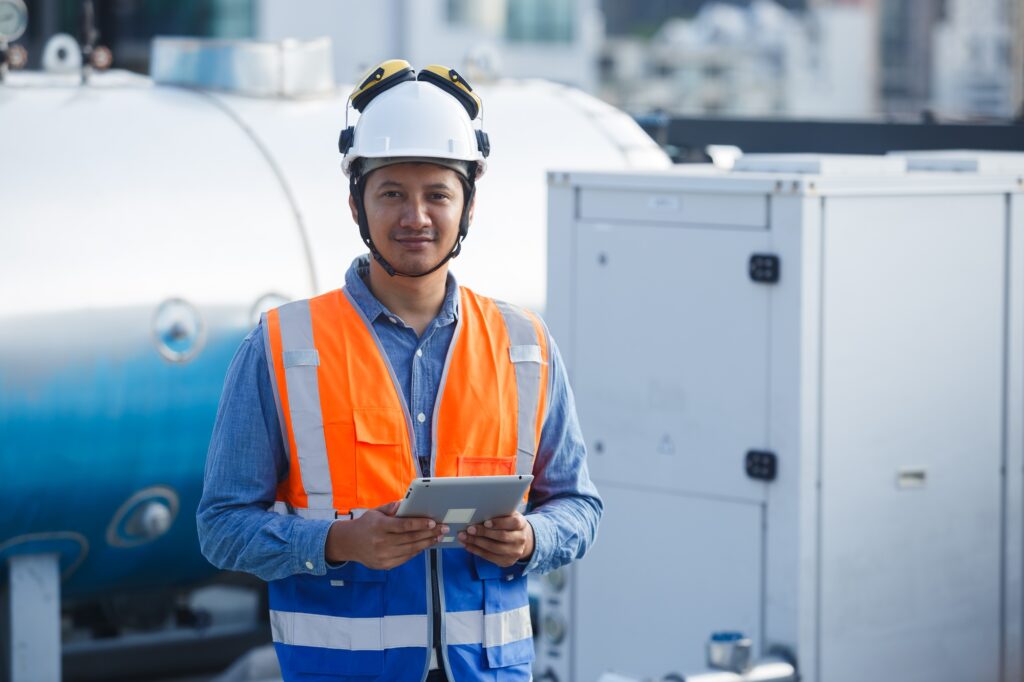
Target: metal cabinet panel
x=694, y=208
x=670, y=356
x=913, y=328
x=668, y=570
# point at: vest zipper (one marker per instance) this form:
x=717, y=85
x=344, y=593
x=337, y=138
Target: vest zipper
x=435, y=596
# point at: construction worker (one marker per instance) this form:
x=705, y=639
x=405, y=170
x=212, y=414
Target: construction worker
x=333, y=405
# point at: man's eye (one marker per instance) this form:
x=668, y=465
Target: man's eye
x=438, y=196
x=390, y=194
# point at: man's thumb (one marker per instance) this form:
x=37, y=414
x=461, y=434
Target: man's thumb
x=390, y=508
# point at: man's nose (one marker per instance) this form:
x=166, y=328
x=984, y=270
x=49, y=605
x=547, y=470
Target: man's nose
x=414, y=214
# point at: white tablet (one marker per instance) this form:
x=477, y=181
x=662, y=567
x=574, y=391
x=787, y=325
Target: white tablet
x=461, y=501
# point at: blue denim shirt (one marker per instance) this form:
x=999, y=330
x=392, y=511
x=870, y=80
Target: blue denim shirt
x=247, y=459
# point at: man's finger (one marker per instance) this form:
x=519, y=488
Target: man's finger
x=514, y=521
x=499, y=559
x=494, y=534
x=402, y=553
x=413, y=548
x=494, y=546
x=389, y=509
x=414, y=538
x=410, y=525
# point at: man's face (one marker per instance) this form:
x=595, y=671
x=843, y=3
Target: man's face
x=413, y=212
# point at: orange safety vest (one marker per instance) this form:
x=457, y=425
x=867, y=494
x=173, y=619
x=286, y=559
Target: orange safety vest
x=348, y=434
x=352, y=449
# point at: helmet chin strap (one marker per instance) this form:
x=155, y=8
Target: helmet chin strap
x=357, y=187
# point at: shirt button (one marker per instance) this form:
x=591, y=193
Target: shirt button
x=419, y=352
x=309, y=565
x=393, y=320
x=421, y=417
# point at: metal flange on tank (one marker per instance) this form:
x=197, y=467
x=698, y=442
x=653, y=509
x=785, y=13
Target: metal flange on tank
x=178, y=330
x=143, y=517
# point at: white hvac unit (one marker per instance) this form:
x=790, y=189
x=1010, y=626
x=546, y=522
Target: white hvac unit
x=802, y=387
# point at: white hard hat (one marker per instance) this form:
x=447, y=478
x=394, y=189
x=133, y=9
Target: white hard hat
x=404, y=118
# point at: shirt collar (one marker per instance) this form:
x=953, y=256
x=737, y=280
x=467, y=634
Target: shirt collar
x=355, y=284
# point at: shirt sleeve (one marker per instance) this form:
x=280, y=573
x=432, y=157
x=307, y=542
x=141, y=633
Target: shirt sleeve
x=244, y=464
x=564, y=505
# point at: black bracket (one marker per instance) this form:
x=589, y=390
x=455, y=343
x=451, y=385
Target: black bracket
x=765, y=268
x=762, y=465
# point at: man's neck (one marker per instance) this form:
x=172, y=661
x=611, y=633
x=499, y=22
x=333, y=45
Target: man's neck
x=417, y=300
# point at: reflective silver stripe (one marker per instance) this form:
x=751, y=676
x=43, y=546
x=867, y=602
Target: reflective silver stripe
x=464, y=627
x=351, y=634
x=522, y=334
x=530, y=353
x=304, y=406
x=507, y=627
x=283, y=509
x=300, y=358
x=494, y=629
x=273, y=381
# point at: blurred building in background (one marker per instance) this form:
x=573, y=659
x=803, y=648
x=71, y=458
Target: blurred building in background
x=754, y=59
x=973, y=70
x=907, y=58
x=128, y=26
x=553, y=39
x=899, y=59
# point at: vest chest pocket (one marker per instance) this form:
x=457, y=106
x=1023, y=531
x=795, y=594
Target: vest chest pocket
x=486, y=466
x=383, y=464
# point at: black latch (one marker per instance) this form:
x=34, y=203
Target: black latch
x=762, y=465
x=765, y=267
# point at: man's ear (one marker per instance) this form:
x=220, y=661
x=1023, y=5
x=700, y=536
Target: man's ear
x=472, y=207
x=352, y=207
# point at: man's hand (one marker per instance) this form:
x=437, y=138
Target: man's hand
x=502, y=540
x=380, y=540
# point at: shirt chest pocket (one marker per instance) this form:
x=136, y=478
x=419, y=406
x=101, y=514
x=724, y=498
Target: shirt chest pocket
x=383, y=463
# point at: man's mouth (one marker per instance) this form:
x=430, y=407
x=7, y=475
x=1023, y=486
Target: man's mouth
x=416, y=243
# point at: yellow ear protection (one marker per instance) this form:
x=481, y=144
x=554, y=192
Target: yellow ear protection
x=455, y=85
x=451, y=82
x=394, y=71
x=377, y=80
x=380, y=79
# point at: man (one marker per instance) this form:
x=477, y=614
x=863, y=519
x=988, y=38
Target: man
x=332, y=405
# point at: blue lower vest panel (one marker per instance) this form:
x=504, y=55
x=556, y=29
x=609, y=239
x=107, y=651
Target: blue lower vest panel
x=354, y=591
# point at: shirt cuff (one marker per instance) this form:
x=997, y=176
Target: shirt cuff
x=308, y=544
x=543, y=541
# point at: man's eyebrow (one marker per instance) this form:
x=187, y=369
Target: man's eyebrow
x=432, y=186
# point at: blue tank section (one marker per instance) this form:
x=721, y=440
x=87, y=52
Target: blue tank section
x=103, y=445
